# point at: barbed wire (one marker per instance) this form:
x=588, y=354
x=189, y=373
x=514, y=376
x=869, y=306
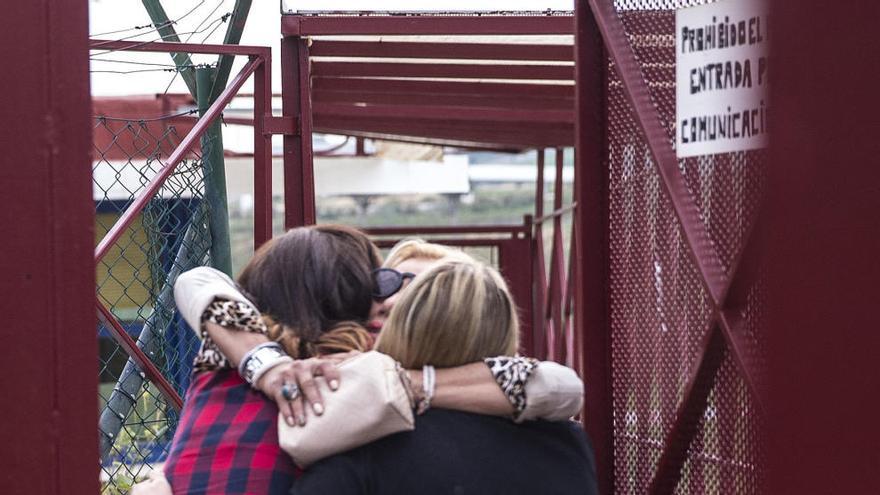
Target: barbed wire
x=222, y=20
x=136, y=44
x=226, y=18
x=134, y=62
x=102, y=118
x=156, y=27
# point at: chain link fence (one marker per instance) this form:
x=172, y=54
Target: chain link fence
x=135, y=281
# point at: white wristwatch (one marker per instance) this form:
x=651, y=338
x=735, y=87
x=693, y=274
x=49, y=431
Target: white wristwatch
x=261, y=359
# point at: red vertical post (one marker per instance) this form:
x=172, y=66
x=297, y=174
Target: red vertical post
x=262, y=153
x=539, y=280
x=299, y=183
x=823, y=240
x=47, y=374
x=592, y=256
x=513, y=255
x=557, y=263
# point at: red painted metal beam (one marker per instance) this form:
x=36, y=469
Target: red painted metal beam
x=557, y=282
x=144, y=363
x=539, y=271
x=515, y=263
x=299, y=182
x=822, y=245
x=262, y=153
x=126, y=219
x=48, y=371
x=696, y=395
x=394, y=86
x=461, y=144
x=473, y=132
x=591, y=258
x=315, y=25
x=415, y=49
x=447, y=71
x=443, y=113
x=446, y=100
x=509, y=230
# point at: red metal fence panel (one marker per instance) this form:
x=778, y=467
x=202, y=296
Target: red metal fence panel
x=685, y=415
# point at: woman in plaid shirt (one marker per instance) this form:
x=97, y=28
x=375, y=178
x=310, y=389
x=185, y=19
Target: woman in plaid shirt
x=317, y=284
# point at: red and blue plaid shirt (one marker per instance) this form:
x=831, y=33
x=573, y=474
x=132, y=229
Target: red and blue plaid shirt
x=227, y=441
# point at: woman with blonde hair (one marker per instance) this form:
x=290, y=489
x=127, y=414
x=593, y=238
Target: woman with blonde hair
x=455, y=313
x=406, y=260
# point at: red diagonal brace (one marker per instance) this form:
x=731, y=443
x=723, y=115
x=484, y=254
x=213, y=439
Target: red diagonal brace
x=143, y=361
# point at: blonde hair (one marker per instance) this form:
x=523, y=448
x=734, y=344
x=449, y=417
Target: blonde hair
x=455, y=313
x=415, y=248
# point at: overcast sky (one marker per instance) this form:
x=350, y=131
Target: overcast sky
x=201, y=20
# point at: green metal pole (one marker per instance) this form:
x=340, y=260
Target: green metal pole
x=215, y=176
x=233, y=37
x=165, y=27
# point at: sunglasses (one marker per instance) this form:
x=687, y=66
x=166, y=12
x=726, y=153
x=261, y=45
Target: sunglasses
x=388, y=281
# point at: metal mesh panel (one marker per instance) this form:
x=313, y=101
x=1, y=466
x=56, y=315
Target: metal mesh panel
x=135, y=282
x=659, y=310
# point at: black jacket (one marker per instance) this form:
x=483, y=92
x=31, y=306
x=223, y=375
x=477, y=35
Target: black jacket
x=459, y=453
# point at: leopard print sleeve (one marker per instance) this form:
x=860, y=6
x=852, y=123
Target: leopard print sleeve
x=511, y=373
x=227, y=314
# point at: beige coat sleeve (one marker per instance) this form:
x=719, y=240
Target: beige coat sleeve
x=196, y=289
x=553, y=392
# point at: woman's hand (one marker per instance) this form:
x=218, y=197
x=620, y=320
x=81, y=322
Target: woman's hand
x=155, y=484
x=301, y=388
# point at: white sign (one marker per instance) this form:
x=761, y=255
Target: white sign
x=721, y=81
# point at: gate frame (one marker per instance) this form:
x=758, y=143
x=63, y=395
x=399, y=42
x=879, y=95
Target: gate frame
x=259, y=66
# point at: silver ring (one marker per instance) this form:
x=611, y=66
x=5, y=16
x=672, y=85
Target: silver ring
x=290, y=391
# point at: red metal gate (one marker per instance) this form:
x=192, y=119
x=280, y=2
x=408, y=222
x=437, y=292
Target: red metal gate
x=666, y=306
x=684, y=304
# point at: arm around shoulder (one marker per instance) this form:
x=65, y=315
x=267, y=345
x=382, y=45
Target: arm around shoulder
x=554, y=393
x=195, y=289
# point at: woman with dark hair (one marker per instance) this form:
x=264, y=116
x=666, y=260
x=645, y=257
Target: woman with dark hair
x=313, y=287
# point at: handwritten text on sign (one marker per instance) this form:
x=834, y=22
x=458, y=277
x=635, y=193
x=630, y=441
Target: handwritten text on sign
x=721, y=78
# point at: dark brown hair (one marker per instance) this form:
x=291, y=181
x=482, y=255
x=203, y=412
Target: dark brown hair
x=314, y=286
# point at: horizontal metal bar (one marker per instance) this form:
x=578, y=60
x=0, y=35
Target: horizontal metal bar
x=449, y=230
x=441, y=113
x=298, y=25
x=460, y=144
x=556, y=213
x=449, y=71
x=520, y=136
x=129, y=215
x=447, y=100
x=134, y=352
x=565, y=91
x=165, y=46
x=287, y=126
x=470, y=51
